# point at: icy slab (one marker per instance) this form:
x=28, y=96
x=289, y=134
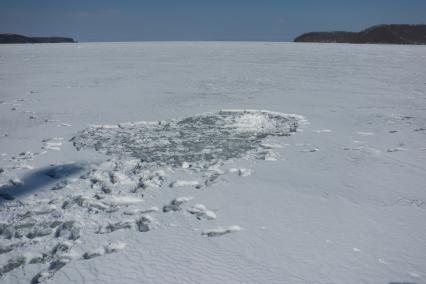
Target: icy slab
x=197, y=140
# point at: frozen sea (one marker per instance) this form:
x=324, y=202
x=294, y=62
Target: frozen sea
x=212, y=162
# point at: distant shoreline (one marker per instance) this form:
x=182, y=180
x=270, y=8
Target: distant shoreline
x=8, y=38
x=381, y=34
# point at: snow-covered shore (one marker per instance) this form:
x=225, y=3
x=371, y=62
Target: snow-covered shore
x=333, y=194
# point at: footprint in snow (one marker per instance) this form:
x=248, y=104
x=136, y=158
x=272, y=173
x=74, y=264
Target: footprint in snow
x=107, y=249
x=185, y=183
x=12, y=264
x=201, y=212
x=52, y=144
x=60, y=185
x=57, y=258
x=48, y=273
x=310, y=150
x=112, y=227
x=220, y=231
x=350, y=148
x=364, y=133
x=141, y=211
x=142, y=224
x=396, y=149
x=64, y=125
x=242, y=172
x=323, y=131
x=16, y=182
x=175, y=204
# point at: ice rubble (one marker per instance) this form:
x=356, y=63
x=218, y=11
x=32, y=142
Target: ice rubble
x=197, y=140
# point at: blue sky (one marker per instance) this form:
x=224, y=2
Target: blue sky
x=268, y=20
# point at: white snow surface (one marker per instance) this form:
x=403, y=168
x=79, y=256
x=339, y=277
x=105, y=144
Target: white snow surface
x=95, y=136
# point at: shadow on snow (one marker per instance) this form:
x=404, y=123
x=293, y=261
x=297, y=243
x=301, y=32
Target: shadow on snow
x=37, y=180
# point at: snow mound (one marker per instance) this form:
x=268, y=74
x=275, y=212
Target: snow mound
x=199, y=139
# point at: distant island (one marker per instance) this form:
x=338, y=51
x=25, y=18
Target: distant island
x=16, y=38
x=381, y=34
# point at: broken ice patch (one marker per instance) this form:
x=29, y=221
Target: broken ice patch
x=197, y=140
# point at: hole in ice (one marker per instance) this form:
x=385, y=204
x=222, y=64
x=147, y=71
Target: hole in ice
x=199, y=140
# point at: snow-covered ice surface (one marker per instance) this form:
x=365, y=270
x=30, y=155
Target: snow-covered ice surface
x=178, y=162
